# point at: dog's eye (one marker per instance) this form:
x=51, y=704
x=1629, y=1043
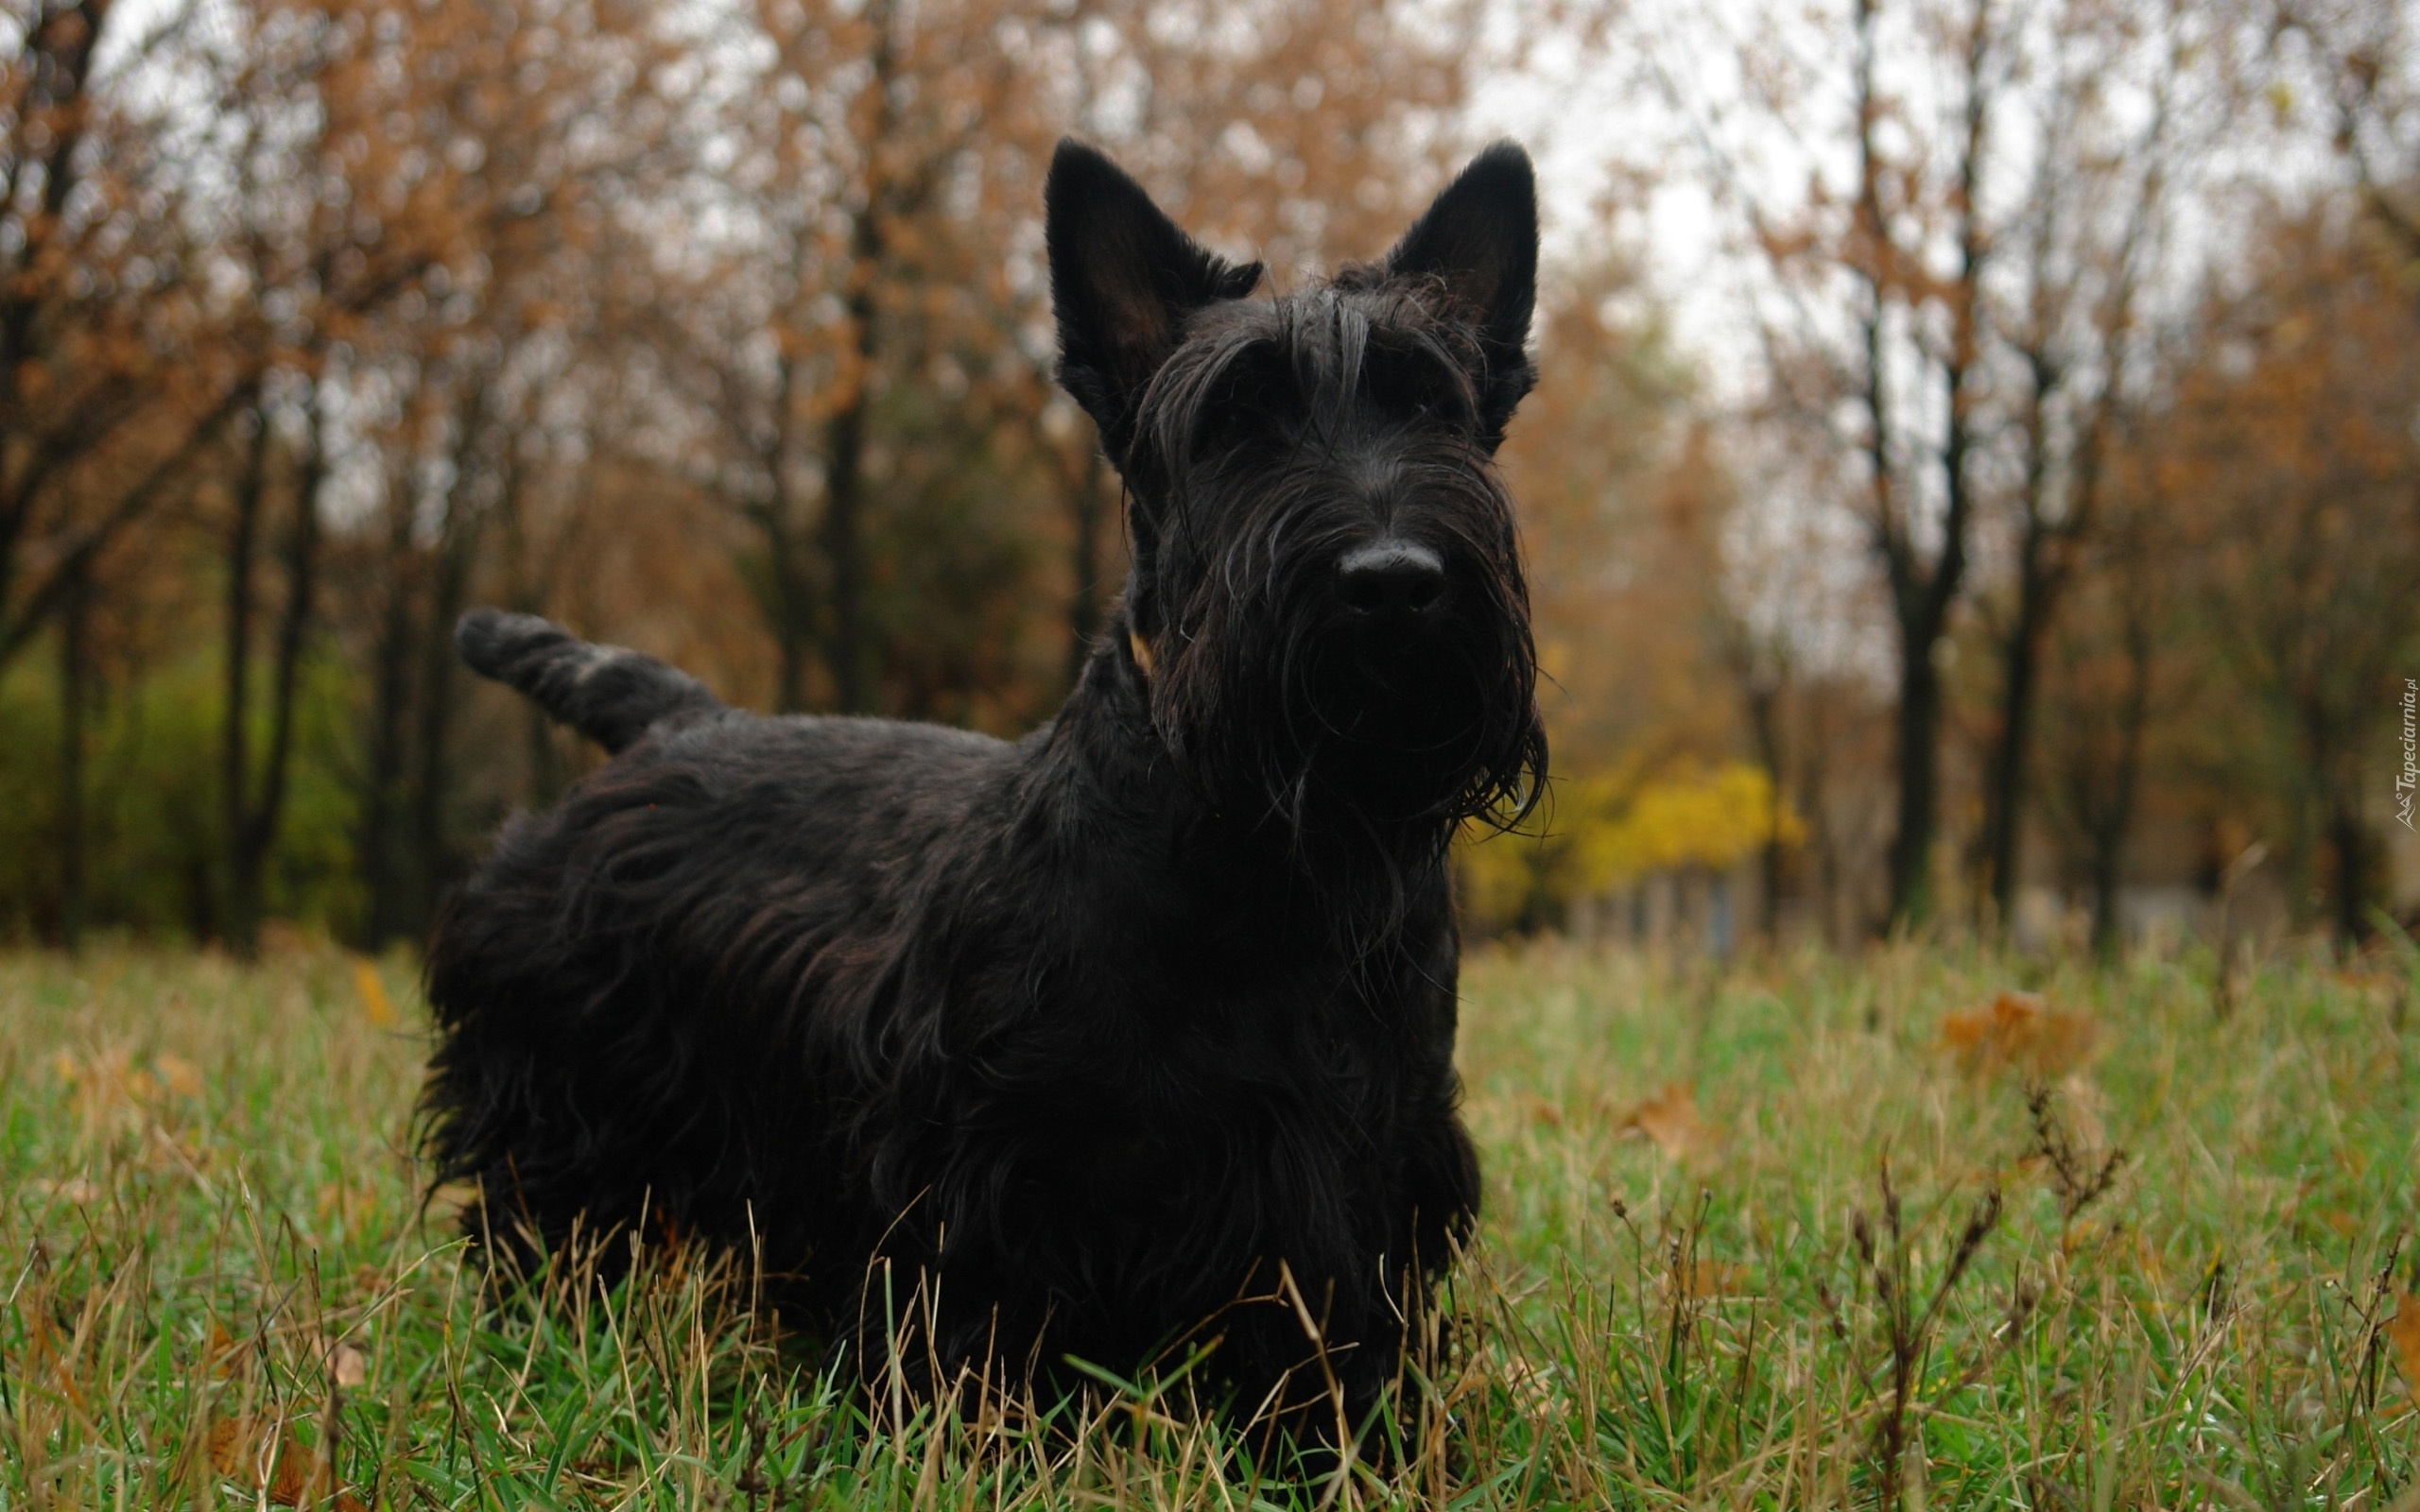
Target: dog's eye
x=1405, y=385
x=1250, y=399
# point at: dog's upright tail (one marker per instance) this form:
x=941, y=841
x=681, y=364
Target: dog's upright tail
x=606, y=693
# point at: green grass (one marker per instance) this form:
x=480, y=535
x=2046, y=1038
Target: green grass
x=211, y=1257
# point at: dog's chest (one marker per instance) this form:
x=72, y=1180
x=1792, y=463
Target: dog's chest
x=1246, y=1088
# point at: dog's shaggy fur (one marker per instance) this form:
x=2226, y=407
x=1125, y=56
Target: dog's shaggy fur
x=1138, y=1029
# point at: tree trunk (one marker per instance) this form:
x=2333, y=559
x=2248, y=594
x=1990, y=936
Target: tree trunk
x=432, y=856
x=238, y=911
x=1919, y=763
x=1764, y=728
x=2113, y=824
x=844, y=481
x=75, y=700
x=2021, y=658
x=843, y=548
x=790, y=606
x=545, y=775
x=793, y=629
x=2108, y=885
x=531, y=575
x=258, y=837
x=381, y=856
x=2004, y=807
x=849, y=653
x=2349, y=838
x=1920, y=595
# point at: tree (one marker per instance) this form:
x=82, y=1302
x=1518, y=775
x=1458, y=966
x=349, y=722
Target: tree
x=2291, y=459
x=873, y=152
x=2104, y=670
x=1873, y=322
x=417, y=210
x=110, y=379
x=2091, y=235
x=2361, y=61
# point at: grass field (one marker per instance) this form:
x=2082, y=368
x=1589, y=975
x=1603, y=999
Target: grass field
x=1810, y=1232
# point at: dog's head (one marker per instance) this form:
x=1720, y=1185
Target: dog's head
x=1326, y=597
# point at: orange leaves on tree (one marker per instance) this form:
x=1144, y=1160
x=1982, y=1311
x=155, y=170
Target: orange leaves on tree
x=2022, y=1032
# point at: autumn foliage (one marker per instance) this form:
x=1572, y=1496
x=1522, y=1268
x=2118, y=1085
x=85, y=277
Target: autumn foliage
x=2028, y=523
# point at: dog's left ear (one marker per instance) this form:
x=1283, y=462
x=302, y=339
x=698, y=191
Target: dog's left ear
x=1479, y=239
x=1123, y=278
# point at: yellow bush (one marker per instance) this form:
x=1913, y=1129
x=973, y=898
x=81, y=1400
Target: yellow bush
x=1606, y=831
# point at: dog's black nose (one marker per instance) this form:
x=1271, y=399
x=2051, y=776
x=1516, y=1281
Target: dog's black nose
x=1390, y=578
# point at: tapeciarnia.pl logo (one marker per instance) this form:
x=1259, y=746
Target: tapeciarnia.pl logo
x=2407, y=779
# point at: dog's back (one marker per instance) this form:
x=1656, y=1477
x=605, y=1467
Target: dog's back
x=600, y=981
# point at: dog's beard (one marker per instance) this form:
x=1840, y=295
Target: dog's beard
x=1355, y=747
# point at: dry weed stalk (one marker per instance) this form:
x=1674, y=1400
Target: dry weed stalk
x=1908, y=1325
x=2079, y=1176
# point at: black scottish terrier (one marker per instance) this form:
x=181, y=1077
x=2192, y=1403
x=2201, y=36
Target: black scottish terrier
x=1138, y=1030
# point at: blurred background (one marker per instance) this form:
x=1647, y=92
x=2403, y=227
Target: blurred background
x=1975, y=484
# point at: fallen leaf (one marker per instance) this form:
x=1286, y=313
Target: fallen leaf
x=80, y=1189
x=2377, y=987
x=2020, y=1031
x=1528, y=1384
x=2147, y=1256
x=449, y=1199
x=224, y=1351
x=349, y=1365
x=343, y=1202
x=375, y=1005
x=283, y=936
x=1670, y=1119
x=109, y=1089
x=178, y=1076
x=2078, y=1237
x=276, y=1464
x=2403, y=1331
x=1706, y=1279
x=48, y=1352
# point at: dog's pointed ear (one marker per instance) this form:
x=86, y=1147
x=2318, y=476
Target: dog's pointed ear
x=1480, y=240
x=1123, y=278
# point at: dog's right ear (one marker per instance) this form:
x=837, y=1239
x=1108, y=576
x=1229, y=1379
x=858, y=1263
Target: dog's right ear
x=1122, y=280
